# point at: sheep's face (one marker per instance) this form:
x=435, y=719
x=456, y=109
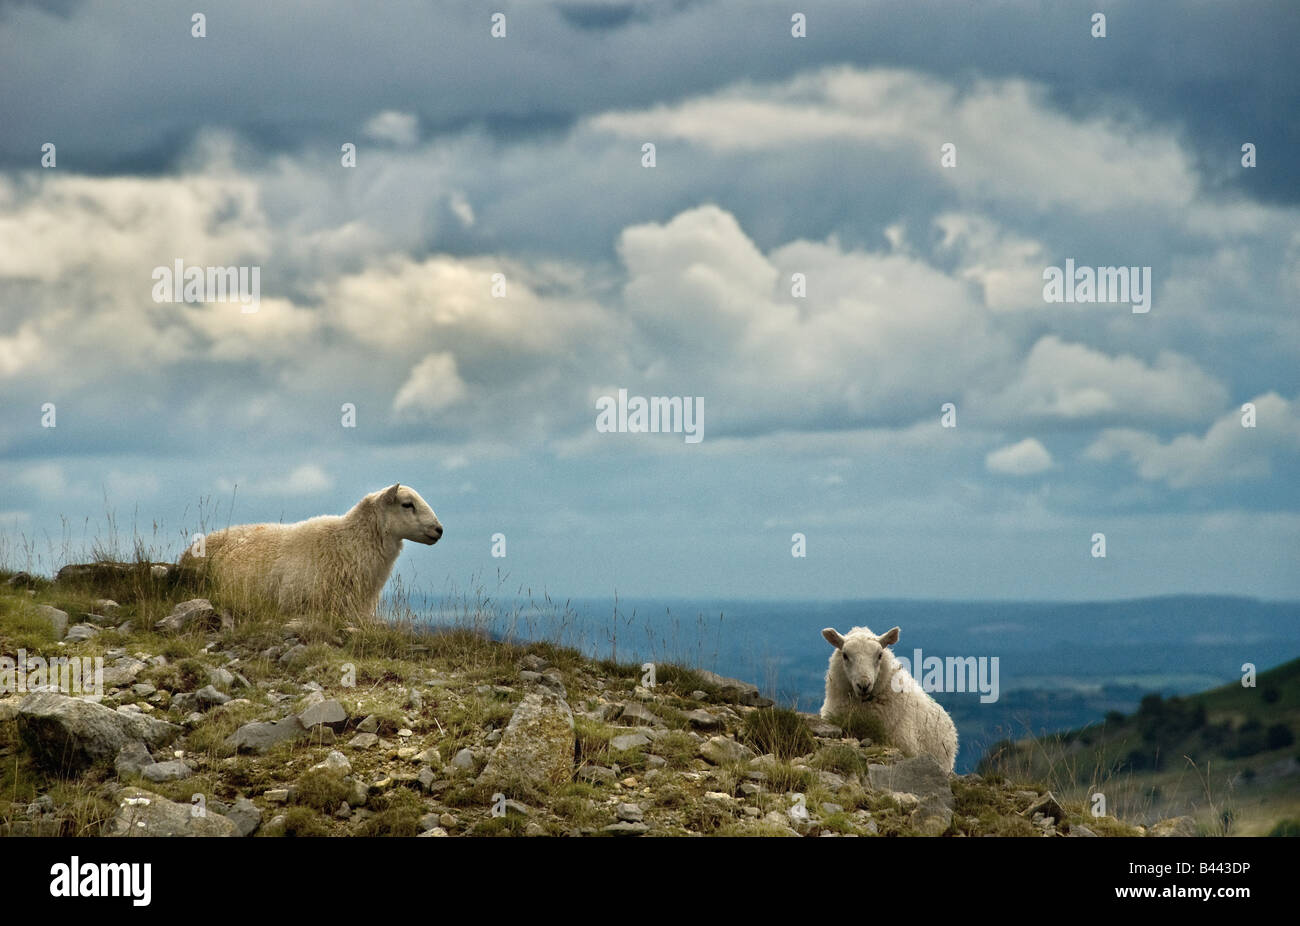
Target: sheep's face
x=861, y=660
x=408, y=516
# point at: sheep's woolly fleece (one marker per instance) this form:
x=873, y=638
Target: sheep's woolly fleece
x=863, y=676
x=326, y=564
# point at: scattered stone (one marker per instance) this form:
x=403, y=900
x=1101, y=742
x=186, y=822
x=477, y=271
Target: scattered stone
x=276, y=795
x=132, y=759
x=107, y=607
x=597, y=774
x=369, y=725
x=197, y=612
x=363, y=741
x=638, y=715
x=734, y=690
x=463, y=760
x=627, y=829
x=703, y=720
x=1048, y=806
x=210, y=697
x=629, y=813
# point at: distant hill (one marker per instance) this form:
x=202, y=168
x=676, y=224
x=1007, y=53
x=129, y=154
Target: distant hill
x=1230, y=757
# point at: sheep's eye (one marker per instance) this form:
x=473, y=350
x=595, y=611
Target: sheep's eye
x=408, y=504
x=844, y=654
x=880, y=655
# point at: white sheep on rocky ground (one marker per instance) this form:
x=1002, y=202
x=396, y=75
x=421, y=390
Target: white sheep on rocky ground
x=863, y=676
x=326, y=564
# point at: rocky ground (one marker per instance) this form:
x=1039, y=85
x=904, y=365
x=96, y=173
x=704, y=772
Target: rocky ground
x=234, y=724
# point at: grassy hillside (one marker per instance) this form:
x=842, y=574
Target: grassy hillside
x=1229, y=757
x=409, y=723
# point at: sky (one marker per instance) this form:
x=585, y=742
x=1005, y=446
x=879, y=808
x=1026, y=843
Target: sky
x=800, y=261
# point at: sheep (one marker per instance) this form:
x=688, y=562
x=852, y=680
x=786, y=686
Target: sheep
x=329, y=563
x=864, y=676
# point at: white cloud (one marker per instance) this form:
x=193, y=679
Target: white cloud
x=1027, y=458
x=1227, y=452
x=1073, y=382
x=305, y=479
x=392, y=126
x=432, y=386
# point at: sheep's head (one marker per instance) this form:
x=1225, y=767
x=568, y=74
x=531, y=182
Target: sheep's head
x=861, y=660
x=408, y=516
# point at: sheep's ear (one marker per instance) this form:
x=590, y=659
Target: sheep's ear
x=889, y=638
x=391, y=494
x=833, y=637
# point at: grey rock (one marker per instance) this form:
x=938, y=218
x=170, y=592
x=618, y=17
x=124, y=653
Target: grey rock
x=635, y=714
x=369, y=725
x=925, y=778
x=124, y=672
x=173, y=770
x=363, y=741
x=210, y=697
x=734, y=690
x=246, y=816
x=629, y=813
x=703, y=720
x=260, y=736
x=197, y=612
x=329, y=713
x=627, y=829
x=143, y=813
x=57, y=619
x=79, y=633
x=1048, y=806
x=597, y=774
x=132, y=759
x=107, y=607
x=463, y=760
x=530, y=678
x=536, y=748
x=720, y=749
x=335, y=762
x=72, y=733
x=629, y=741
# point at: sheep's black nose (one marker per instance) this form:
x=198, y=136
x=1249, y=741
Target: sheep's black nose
x=437, y=531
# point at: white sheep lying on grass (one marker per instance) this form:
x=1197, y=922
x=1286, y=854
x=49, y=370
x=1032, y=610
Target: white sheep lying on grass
x=328, y=564
x=863, y=676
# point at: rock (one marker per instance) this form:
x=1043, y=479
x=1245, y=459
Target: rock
x=530, y=678
x=629, y=813
x=597, y=774
x=293, y=655
x=830, y=808
x=132, y=759
x=414, y=700
x=260, y=736
x=57, y=619
x=369, y=725
x=246, y=817
x=1174, y=826
x=22, y=580
x=1048, y=806
x=463, y=761
x=80, y=633
x=208, y=696
x=720, y=749
x=629, y=741
x=1078, y=829
x=734, y=690
x=533, y=662
x=637, y=714
x=143, y=813
x=197, y=612
x=221, y=678
x=328, y=713
x=124, y=672
x=536, y=748
x=703, y=720
x=821, y=728
x=71, y=733
x=363, y=741
x=335, y=762
x=426, y=778
x=174, y=770
x=925, y=778
x=626, y=829
x=276, y=795
x=107, y=607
